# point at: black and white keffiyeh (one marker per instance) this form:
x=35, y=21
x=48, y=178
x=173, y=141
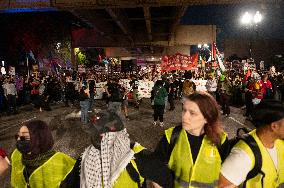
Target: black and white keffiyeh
x=101, y=168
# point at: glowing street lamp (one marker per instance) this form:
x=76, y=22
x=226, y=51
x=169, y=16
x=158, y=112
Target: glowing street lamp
x=257, y=17
x=246, y=18
x=199, y=46
x=252, y=21
x=249, y=19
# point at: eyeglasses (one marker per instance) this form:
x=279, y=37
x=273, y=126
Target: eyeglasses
x=22, y=138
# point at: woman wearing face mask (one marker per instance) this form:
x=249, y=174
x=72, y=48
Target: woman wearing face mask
x=34, y=163
x=194, y=150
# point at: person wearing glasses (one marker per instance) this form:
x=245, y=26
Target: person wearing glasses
x=34, y=162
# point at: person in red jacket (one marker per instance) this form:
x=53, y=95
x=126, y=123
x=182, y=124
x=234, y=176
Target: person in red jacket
x=266, y=87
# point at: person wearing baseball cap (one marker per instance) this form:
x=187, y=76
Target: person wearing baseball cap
x=112, y=160
x=268, y=118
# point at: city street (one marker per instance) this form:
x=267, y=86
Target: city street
x=59, y=58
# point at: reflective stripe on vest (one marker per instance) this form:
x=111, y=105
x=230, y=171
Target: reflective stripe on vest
x=185, y=184
x=193, y=175
x=182, y=183
x=50, y=174
x=204, y=185
x=272, y=179
x=124, y=180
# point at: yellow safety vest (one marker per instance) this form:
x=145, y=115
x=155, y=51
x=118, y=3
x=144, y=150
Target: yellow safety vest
x=272, y=179
x=50, y=174
x=124, y=180
x=204, y=173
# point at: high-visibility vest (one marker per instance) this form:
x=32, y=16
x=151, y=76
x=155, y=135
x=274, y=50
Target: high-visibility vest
x=124, y=180
x=204, y=173
x=272, y=179
x=50, y=174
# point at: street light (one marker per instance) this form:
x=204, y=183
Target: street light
x=199, y=45
x=246, y=18
x=257, y=17
x=251, y=20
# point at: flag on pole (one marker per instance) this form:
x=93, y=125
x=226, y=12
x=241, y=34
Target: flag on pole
x=209, y=59
x=221, y=65
x=214, y=51
x=217, y=57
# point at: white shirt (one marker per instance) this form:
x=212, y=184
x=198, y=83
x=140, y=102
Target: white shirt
x=238, y=164
x=211, y=85
x=9, y=89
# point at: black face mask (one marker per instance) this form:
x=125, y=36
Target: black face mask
x=23, y=146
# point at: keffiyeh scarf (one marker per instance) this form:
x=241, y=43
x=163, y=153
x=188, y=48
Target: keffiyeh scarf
x=101, y=168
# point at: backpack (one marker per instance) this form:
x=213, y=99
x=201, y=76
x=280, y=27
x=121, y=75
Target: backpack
x=188, y=87
x=248, y=139
x=157, y=95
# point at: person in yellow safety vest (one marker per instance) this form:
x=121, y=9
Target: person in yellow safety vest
x=194, y=153
x=34, y=163
x=268, y=118
x=112, y=161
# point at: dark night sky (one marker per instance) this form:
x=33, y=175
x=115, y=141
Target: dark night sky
x=227, y=19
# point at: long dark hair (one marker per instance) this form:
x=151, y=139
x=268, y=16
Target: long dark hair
x=41, y=137
x=209, y=109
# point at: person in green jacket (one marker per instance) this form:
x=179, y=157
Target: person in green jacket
x=34, y=162
x=159, y=95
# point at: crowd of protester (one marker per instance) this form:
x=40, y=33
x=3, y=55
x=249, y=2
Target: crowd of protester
x=228, y=88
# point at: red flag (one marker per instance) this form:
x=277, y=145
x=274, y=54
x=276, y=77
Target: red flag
x=100, y=58
x=214, y=51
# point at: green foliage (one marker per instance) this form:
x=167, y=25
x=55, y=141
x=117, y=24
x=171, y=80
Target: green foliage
x=81, y=58
x=89, y=56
